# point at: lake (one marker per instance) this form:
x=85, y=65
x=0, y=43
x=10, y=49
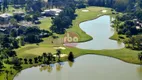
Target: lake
x=100, y=30
x=87, y=67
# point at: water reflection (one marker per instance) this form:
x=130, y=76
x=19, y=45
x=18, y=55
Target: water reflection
x=58, y=67
x=88, y=67
x=139, y=69
x=50, y=67
x=70, y=63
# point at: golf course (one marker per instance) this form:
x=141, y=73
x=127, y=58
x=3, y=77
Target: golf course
x=50, y=44
x=32, y=50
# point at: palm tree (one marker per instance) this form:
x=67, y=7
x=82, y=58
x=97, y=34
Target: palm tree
x=39, y=58
x=58, y=53
x=36, y=60
x=140, y=56
x=49, y=56
x=20, y=59
x=25, y=60
x=44, y=56
x=30, y=61
x=71, y=57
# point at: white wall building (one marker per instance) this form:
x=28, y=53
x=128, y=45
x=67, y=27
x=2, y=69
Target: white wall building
x=52, y=12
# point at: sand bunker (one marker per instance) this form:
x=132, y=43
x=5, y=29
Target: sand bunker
x=104, y=11
x=63, y=48
x=85, y=10
x=61, y=55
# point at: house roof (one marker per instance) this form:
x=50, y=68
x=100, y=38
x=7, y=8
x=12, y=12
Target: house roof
x=56, y=10
x=18, y=12
x=5, y=15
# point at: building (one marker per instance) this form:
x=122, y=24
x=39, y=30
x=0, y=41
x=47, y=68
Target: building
x=4, y=18
x=51, y=12
x=19, y=13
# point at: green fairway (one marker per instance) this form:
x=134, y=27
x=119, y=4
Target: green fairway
x=45, y=23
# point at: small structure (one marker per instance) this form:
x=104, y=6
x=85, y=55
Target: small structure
x=138, y=27
x=4, y=18
x=18, y=13
x=138, y=24
x=26, y=24
x=51, y=12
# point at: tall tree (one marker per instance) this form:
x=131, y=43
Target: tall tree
x=5, y=5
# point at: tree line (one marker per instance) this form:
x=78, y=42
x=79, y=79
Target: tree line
x=64, y=20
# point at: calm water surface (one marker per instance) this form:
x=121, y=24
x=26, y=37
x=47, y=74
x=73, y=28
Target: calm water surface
x=100, y=29
x=88, y=67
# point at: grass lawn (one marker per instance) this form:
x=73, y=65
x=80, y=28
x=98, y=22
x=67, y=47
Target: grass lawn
x=11, y=9
x=45, y=23
x=124, y=54
x=32, y=50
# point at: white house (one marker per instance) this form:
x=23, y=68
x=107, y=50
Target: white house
x=4, y=18
x=51, y=12
x=19, y=13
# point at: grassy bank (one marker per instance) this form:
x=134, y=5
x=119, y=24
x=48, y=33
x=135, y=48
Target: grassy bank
x=124, y=54
x=32, y=50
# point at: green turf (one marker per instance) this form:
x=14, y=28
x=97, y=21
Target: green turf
x=45, y=23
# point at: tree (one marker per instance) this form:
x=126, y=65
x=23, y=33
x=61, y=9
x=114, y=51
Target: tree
x=13, y=33
x=22, y=42
x=1, y=65
x=16, y=62
x=49, y=57
x=140, y=56
x=58, y=54
x=37, y=5
x=29, y=4
x=30, y=61
x=132, y=41
x=20, y=59
x=71, y=56
x=15, y=44
x=13, y=21
x=120, y=5
x=36, y=60
x=36, y=15
x=28, y=18
x=63, y=20
x=5, y=5
x=44, y=55
x=0, y=6
x=25, y=60
x=128, y=33
x=39, y=58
